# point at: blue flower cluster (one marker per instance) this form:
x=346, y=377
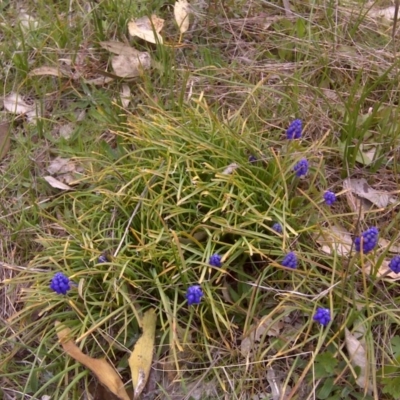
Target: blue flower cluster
x=394, y=264
x=60, y=283
x=323, y=316
x=301, y=168
x=102, y=259
x=329, y=197
x=294, y=130
x=277, y=227
x=290, y=260
x=215, y=260
x=367, y=241
x=252, y=159
x=194, y=294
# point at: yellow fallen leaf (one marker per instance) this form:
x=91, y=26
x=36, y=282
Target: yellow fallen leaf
x=147, y=28
x=142, y=356
x=104, y=372
x=181, y=13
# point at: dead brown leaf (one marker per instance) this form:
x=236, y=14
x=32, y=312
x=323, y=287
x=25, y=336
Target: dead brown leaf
x=128, y=66
x=14, y=103
x=55, y=183
x=147, y=28
x=393, y=248
x=384, y=270
x=125, y=95
x=104, y=372
x=52, y=71
x=356, y=348
x=65, y=169
x=335, y=238
x=181, y=13
x=362, y=189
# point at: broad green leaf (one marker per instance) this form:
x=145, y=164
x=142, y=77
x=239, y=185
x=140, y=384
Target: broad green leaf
x=325, y=391
x=326, y=361
x=395, y=342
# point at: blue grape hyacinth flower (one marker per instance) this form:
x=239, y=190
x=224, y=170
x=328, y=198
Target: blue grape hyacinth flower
x=252, y=159
x=194, y=294
x=215, y=260
x=369, y=240
x=277, y=227
x=323, y=316
x=294, y=130
x=329, y=198
x=102, y=259
x=60, y=283
x=290, y=260
x=394, y=264
x=301, y=168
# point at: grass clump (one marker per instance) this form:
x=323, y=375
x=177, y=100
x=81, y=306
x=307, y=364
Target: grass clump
x=215, y=198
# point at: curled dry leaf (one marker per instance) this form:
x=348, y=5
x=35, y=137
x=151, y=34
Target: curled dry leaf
x=55, y=183
x=53, y=71
x=355, y=346
x=142, y=355
x=147, y=28
x=14, y=103
x=335, y=238
x=125, y=95
x=361, y=188
x=99, y=81
x=181, y=13
x=104, y=372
